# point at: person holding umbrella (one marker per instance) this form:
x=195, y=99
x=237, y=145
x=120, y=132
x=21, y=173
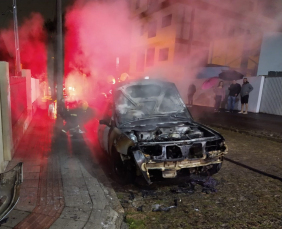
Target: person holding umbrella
x=234, y=90
x=246, y=89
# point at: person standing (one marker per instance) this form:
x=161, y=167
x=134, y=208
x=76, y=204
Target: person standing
x=191, y=92
x=245, y=91
x=219, y=96
x=234, y=90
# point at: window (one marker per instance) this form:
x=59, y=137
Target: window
x=140, y=62
x=166, y=21
x=163, y=54
x=150, y=57
x=152, y=30
x=152, y=5
x=137, y=6
x=142, y=30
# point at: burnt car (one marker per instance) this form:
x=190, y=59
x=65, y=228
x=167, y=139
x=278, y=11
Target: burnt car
x=147, y=127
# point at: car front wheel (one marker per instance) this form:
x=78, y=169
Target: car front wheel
x=124, y=171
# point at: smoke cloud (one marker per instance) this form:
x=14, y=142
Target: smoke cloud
x=228, y=32
x=32, y=40
x=97, y=33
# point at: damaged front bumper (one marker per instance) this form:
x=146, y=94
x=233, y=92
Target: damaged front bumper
x=10, y=182
x=169, y=168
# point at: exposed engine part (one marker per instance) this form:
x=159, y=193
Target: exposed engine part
x=170, y=134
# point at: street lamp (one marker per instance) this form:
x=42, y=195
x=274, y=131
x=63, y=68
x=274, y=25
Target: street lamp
x=17, y=46
x=60, y=61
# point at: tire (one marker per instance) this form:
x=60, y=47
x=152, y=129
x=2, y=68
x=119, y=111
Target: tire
x=124, y=172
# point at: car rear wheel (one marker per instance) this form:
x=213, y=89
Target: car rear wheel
x=124, y=171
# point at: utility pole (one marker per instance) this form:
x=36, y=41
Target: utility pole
x=60, y=61
x=17, y=45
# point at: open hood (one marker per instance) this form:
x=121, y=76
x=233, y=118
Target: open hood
x=148, y=98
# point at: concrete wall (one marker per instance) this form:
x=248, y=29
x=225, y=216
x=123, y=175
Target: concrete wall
x=21, y=124
x=35, y=92
x=270, y=55
x=6, y=144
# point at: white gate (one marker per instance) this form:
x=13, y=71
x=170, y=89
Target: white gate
x=271, y=101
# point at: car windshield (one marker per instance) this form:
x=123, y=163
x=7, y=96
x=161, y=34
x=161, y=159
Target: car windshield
x=139, y=102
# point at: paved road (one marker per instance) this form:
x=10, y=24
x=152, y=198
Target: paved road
x=264, y=125
x=249, y=193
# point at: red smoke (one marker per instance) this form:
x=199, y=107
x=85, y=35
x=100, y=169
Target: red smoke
x=32, y=41
x=97, y=33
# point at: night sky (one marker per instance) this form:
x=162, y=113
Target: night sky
x=47, y=8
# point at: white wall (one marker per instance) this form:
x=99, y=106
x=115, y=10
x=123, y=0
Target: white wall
x=271, y=53
x=34, y=89
x=6, y=142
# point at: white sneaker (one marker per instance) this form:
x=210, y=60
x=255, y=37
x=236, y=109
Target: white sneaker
x=245, y=112
x=241, y=112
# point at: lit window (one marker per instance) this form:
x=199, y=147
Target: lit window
x=150, y=57
x=166, y=21
x=163, y=54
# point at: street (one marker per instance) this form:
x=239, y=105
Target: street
x=134, y=114
x=248, y=194
x=69, y=184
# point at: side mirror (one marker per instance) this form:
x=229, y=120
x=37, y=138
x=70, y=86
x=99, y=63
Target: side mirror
x=104, y=122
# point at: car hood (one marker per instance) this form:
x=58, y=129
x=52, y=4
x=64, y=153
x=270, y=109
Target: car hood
x=145, y=98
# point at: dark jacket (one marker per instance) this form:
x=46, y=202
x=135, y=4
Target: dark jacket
x=234, y=89
x=246, y=89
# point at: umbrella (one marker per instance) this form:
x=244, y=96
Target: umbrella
x=231, y=75
x=209, y=83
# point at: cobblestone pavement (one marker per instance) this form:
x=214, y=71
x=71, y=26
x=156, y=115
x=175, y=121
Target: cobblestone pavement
x=63, y=186
x=249, y=193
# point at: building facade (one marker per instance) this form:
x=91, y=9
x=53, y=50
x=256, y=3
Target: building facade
x=176, y=38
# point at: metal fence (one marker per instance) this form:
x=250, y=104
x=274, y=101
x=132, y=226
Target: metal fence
x=271, y=101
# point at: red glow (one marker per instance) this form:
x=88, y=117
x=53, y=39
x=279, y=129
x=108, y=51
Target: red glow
x=96, y=34
x=32, y=44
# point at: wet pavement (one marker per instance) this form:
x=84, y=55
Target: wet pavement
x=256, y=124
x=64, y=186
x=247, y=194
x=68, y=183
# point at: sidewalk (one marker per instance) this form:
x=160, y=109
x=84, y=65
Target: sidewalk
x=256, y=124
x=63, y=186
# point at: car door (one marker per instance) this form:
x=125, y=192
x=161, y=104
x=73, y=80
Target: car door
x=103, y=130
